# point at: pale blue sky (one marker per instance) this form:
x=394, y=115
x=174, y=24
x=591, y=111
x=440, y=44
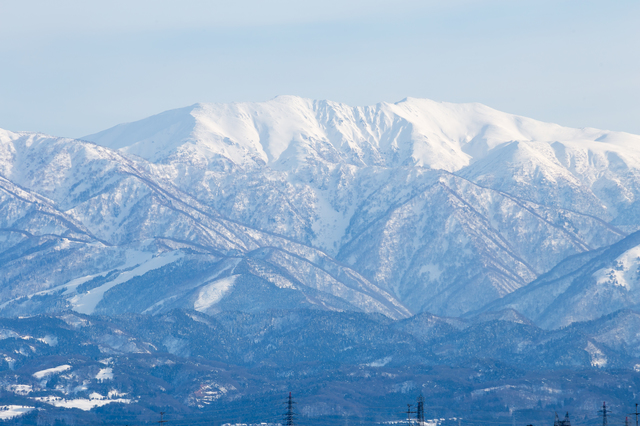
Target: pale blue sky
x=72, y=68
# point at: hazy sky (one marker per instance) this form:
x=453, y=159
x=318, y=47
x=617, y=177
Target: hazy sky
x=71, y=68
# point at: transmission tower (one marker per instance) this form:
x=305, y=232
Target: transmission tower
x=604, y=412
x=420, y=410
x=162, y=421
x=290, y=415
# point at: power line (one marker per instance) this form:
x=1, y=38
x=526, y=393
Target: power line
x=636, y=414
x=207, y=417
x=162, y=421
x=409, y=413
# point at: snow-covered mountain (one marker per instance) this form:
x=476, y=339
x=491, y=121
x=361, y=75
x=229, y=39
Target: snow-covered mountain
x=395, y=208
x=582, y=288
x=288, y=131
x=404, y=193
x=80, y=221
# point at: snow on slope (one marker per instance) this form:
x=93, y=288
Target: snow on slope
x=51, y=371
x=330, y=155
x=413, y=249
x=86, y=303
x=11, y=411
x=288, y=130
x=212, y=293
x=582, y=288
x=85, y=404
x=319, y=180
x=110, y=205
x=625, y=272
x=597, y=178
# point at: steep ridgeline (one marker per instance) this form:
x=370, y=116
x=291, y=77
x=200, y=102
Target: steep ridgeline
x=86, y=228
x=582, y=288
x=446, y=207
x=396, y=208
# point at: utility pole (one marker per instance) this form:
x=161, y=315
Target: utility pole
x=409, y=413
x=636, y=414
x=162, y=422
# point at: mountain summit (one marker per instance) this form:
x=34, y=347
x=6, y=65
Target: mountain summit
x=287, y=131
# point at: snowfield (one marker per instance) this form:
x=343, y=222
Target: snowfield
x=51, y=371
x=11, y=411
x=85, y=404
x=213, y=293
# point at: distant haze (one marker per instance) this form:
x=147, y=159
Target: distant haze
x=72, y=68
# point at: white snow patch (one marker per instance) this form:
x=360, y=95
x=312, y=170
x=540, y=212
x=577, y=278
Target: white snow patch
x=20, y=389
x=380, y=362
x=75, y=321
x=625, y=270
x=73, y=284
x=105, y=374
x=598, y=358
x=8, y=334
x=209, y=392
x=211, y=294
x=51, y=371
x=10, y=361
x=86, y=303
x=492, y=389
x=11, y=411
x=134, y=257
x=49, y=340
x=95, y=400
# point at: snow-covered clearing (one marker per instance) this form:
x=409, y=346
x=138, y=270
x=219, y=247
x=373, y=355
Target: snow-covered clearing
x=94, y=400
x=11, y=411
x=20, y=389
x=51, y=371
x=86, y=303
x=211, y=294
x=105, y=374
x=625, y=271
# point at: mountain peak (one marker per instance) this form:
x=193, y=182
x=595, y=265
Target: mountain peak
x=288, y=131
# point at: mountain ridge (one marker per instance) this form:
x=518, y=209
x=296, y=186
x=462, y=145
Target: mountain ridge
x=443, y=207
x=361, y=255
x=267, y=129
